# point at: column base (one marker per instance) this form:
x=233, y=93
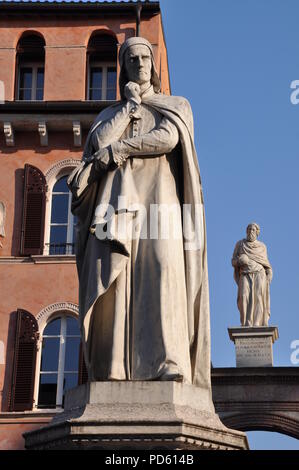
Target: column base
x=136, y=416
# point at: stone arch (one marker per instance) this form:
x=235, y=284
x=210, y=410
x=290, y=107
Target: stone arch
x=100, y=31
x=59, y=307
x=263, y=422
x=28, y=32
x=58, y=170
x=30, y=52
x=47, y=313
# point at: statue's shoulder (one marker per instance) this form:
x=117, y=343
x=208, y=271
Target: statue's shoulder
x=240, y=243
x=109, y=111
x=178, y=102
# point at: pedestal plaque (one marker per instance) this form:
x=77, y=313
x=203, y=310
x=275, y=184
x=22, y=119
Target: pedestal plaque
x=254, y=345
x=137, y=415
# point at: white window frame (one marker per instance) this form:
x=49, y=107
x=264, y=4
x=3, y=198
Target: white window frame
x=61, y=358
x=48, y=215
x=34, y=66
x=104, y=66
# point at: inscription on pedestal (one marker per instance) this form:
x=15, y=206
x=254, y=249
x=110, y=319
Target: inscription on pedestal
x=254, y=352
x=253, y=345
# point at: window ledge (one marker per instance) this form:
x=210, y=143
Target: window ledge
x=53, y=259
x=32, y=416
x=39, y=259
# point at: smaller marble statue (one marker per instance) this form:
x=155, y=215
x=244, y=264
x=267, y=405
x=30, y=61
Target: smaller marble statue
x=253, y=274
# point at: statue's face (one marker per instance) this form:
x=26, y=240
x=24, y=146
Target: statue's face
x=138, y=64
x=251, y=233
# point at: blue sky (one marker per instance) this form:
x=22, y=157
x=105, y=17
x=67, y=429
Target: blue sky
x=235, y=61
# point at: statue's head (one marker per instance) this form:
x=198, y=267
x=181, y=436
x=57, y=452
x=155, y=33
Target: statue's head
x=252, y=231
x=137, y=64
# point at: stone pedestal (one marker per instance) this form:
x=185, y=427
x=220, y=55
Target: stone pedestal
x=254, y=345
x=136, y=415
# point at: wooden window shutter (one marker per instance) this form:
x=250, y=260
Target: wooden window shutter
x=23, y=376
x=35, y=187
x=83, y=374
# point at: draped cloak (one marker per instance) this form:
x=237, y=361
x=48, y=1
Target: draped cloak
x=257, y=253
x=98, y=272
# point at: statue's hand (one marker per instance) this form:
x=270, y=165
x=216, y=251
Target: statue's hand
x=102, y=159
x=132, y=92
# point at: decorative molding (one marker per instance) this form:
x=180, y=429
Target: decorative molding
x=54, y=170
x=256, y=406
x=54, y=259
x=14, y=259
x=9, y=134
x=256, y=380
x=43, y=133
x=119, y=443
x=77, y=131
x=39, y=259
x=46, y=312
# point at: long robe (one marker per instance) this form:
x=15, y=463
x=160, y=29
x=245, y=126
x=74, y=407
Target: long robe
x=253, y=286
x=105, y=267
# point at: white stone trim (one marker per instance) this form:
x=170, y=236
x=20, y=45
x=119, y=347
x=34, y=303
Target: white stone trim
x=60, y=169
x=43, y=133
x=43, y=317
x=9, y=134
x=39, y=259
x=56, y=171
x=77, y=132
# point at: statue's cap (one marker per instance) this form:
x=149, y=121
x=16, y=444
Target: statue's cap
x=133, y=42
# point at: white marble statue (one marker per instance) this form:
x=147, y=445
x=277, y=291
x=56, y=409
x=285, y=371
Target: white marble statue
x=144, y=303
x=253, y=274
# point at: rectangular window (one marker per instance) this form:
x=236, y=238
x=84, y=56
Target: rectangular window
x=25, y=90
x=111, y=83
x=59, y=361
x=102, y=82
x=96, y=83
x=62, y=222
x=31, y=82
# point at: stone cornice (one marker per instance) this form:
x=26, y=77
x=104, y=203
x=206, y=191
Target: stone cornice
x=78, y=8
x=261, y=375
x=54, y=107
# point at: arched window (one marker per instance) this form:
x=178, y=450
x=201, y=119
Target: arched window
x=62, y=222
x=59, y=360
x=30, y=68
x=101, y=56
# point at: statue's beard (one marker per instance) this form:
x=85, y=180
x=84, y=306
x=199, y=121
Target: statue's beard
x=251, y=238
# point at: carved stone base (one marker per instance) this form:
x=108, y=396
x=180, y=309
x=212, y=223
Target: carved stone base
x=136, y=415
x=254, y=345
